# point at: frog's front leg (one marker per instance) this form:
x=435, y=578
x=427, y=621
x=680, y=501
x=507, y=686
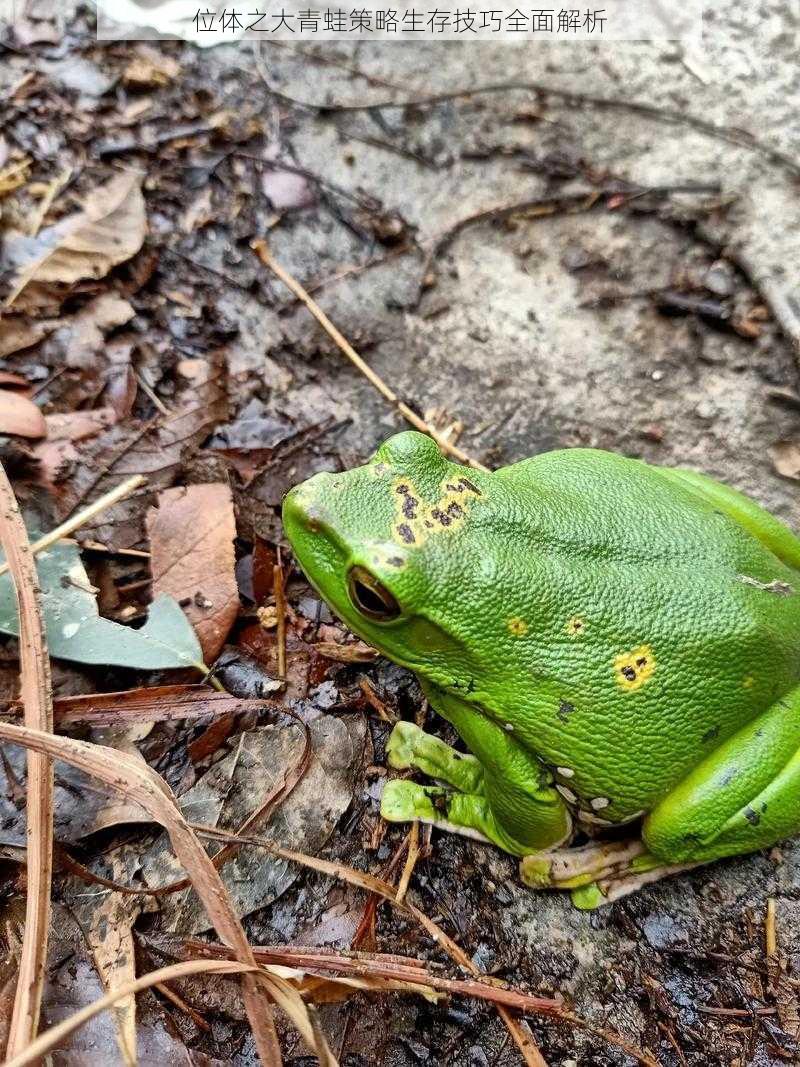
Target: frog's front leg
x=501, y=793
x=743, y=797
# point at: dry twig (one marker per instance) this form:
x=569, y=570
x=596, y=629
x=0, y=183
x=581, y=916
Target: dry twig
x=37, y=701
x=262, y=251
x=80, y=518
x=142, y=785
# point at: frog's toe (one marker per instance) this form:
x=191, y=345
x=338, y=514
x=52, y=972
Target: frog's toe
x=404, y=801
x=401, y=746
x=410, y=747
x=588, y=897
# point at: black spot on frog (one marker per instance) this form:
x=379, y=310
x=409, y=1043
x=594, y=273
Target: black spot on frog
x=565, y=709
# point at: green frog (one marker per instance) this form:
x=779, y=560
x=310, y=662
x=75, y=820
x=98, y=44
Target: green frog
x=615, y=643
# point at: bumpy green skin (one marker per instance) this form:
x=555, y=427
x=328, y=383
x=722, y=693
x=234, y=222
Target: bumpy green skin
x=610, y=639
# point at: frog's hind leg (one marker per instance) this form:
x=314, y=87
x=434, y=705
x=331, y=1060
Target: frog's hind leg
x=770, y=531
x=743, y=797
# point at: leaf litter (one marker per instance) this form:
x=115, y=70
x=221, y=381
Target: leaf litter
x=153, y=342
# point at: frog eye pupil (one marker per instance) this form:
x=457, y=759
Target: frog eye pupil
x=370, y=597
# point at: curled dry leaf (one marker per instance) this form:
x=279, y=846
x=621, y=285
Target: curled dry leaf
x=191, y=536
x=20, y=416
x=785, y=457
x=17, y=334
x=109, y=230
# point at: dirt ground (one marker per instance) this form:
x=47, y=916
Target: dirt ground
x=547, y=267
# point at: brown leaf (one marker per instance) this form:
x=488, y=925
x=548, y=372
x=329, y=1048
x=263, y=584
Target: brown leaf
x=20, y=416
x=58, y=453
x=191, y=536
x=156, y=449
x=107, y=921
x=110, y=229
x=785, y=457
x=150, y=70
x=17, y=334
x=83, y=335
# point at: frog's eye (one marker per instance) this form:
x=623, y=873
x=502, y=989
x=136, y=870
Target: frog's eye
x=370, y=597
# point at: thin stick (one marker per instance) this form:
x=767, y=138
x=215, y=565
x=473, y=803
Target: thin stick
x=280, y=614
x=262, y=251
x=37, y=701
x=85, y=515
x=151, y=394
x=181, y=1004
x=411, y=861
x=770, y=932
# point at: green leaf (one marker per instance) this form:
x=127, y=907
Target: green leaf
x=76, y=631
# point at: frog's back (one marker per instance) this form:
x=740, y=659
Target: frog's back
x=664, y=624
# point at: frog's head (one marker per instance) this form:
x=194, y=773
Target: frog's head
x=395, y=548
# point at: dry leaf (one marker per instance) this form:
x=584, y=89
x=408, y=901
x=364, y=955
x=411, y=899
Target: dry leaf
x=191, y=536
x=20, y=416
x=785, y=457
x=83, y=336
x=107, y=919
x=157, y=449
x=237, y=787
x=150, y=70
x=155, y=704
x=17, y=334
x=110, y=229
x=58, y=453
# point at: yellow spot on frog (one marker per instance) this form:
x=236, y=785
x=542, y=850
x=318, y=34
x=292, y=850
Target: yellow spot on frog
x=576, y=626
x=517, y=627
x=633, y=669
x=415, y=520
x=748, y=682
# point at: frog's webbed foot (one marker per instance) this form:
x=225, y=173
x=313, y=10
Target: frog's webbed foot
x=468, y=801
x=410, y=747
x=459, y=805
x=596, y=874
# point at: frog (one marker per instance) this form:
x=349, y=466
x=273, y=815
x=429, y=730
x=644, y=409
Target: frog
x=617, y=645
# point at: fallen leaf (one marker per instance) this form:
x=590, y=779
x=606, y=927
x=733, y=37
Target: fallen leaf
x=17, y=334
x=78, y=425
x=9, y=380
x=106, y=919
x=83, y=336
x=237, y=787
x=785, y=457
x=77, y=632
x=20, y=416
x=150, y=70
x=191, y=534
x=110, y=229
x=158, y=449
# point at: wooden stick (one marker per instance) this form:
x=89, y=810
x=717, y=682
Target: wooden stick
x=113, y=496
x=262, y=251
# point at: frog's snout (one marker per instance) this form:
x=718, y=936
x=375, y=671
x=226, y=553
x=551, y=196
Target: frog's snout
x=301, y=512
